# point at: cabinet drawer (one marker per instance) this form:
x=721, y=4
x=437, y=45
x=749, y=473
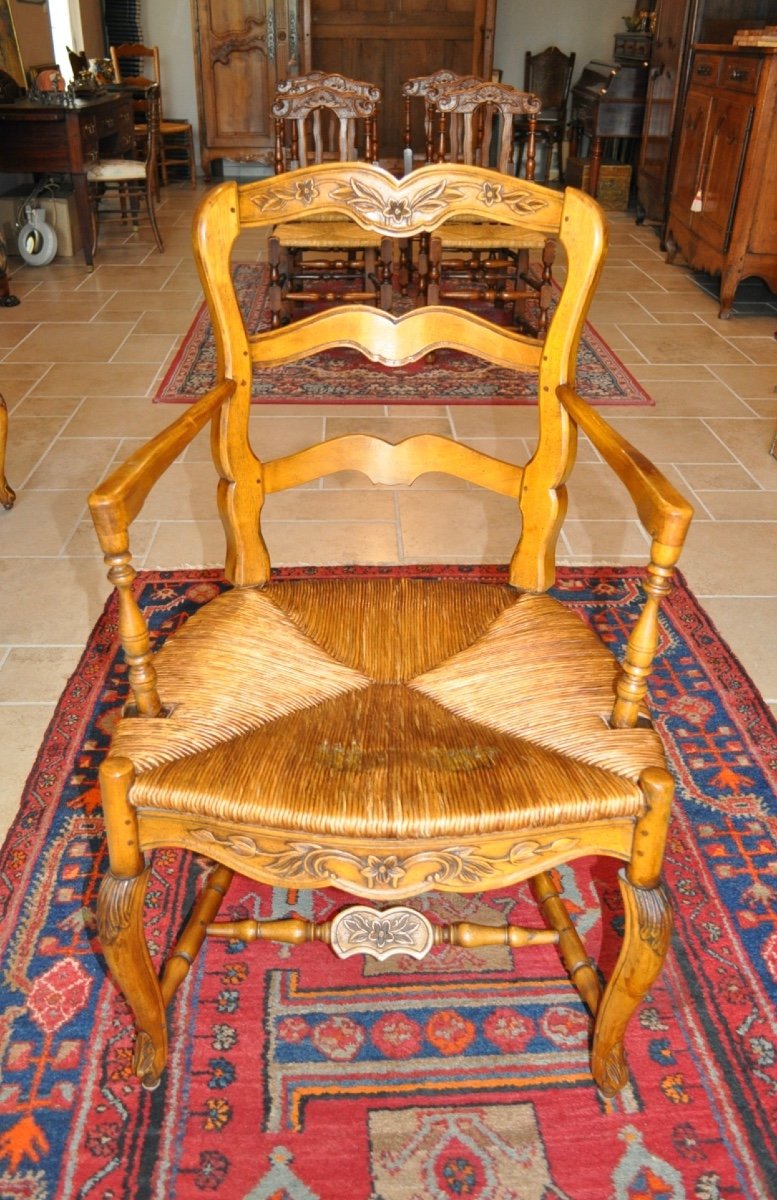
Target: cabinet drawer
x=740, y=74
x=705, y=70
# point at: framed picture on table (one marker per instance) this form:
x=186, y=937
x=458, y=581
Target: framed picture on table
x=10, y=58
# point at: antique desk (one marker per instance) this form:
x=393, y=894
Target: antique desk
x=608, y=101
x=41, y=139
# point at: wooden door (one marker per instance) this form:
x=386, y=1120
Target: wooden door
x=388, y=41
x=666, y=63
x=728, y=136
x=242, y=48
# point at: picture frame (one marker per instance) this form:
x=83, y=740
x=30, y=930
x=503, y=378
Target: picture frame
x=10, y=57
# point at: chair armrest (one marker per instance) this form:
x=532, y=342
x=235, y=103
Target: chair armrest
x=116, y=501
x=664, y=513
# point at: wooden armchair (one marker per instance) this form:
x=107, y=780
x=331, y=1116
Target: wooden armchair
x=389, y=736
x=353, y=266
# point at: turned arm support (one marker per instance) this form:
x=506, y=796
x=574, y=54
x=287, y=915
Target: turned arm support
x=666, y=516
x=114, y=504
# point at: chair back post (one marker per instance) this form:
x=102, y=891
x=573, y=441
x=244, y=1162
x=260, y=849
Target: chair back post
x=482, y=102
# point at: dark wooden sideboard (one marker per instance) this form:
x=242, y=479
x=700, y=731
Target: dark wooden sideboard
x=41, y=139
x=722, y=210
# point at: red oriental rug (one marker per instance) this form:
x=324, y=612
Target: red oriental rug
x=345, y=377
x=295, y=1076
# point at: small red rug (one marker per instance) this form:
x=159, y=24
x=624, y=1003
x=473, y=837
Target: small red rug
x=345, y=377
x=295, y=1076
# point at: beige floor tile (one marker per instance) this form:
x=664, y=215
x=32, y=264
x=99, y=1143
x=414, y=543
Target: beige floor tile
x=731, y=558
x=74, y=463
x=749, y=441
x=485, y=421
x=456, y=527
x=742, y=623
x=672, y=439
x=29, y=439
x=14, y=333
x=610, y=308
x=694, y=399
x=96, y=342
x=22, y=727
x=759, y=349
x=44, y=406
x=96, y=379
x=603, y=541
x=40, y=523
x=747, y=380
x=186, y=492
x=103, y=416
x=77, y=308
x=335, y=543
x=329, y=505
x=681, y=344
x=723, y=477
x=177, y=544
x=742, y=506
x=146, y=347
x=36, y=674
x=83, y=542
x=54, y=604
x=129, y=278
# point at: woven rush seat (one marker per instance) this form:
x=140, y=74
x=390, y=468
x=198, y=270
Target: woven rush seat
x=324, y=235
x=475, y=674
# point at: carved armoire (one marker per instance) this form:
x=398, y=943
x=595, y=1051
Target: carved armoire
x=242, y=47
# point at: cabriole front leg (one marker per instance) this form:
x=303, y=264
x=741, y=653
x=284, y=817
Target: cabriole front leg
x=120, y=926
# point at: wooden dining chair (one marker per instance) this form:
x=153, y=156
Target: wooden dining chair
x=549, y=76
x=471, y=261
x=349, y=266
x=125, y=189
x=137, y=67
x=328, y=138
x=385, y=735
x=7, y=494
x=418, y=89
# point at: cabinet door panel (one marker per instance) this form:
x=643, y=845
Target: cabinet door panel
x=729, y=129
x=690, y=156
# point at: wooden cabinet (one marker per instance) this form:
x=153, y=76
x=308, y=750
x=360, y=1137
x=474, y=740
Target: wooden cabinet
x=242, y=48
x=722, y=211
x=388, y=41
x=678, y=25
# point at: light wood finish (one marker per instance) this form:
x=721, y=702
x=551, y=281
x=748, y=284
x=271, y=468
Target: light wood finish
x=7, y=494
x=242, y=48
x=318, y=118
x=391, y=736
x=722, y=215
x=176, y=139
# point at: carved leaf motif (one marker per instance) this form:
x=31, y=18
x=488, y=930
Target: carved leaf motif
x=523, y=850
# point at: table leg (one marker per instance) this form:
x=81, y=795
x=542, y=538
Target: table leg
x=7, y=494
x=81, y=193
x=596, y=162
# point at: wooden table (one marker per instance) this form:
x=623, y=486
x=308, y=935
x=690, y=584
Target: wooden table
x=42, y=139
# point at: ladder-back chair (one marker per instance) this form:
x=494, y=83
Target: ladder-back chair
x=350, y=266
x=494, y=270
x=121, y=187
x=418, y=88
x=329, y=138
x=389, y=736
x=549, y=76
x=176, y=139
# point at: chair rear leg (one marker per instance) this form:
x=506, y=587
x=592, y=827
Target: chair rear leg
x=646, y=936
